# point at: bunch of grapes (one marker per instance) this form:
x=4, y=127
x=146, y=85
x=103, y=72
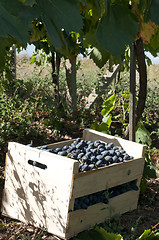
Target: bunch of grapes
x=104, y=196
x=91, y=155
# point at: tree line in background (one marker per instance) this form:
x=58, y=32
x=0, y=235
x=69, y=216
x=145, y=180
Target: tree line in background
x=104, y=30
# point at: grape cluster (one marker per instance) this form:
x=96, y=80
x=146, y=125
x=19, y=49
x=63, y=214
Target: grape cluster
x=104, y=196
x=91, y=155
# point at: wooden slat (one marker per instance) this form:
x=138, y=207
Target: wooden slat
x=60, y=144
x=103, y=178
x=34, y=195
x=81, y=220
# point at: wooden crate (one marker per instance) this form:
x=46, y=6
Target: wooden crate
x=44, y=197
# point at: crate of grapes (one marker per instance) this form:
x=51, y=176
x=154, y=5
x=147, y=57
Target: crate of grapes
x=70, y=186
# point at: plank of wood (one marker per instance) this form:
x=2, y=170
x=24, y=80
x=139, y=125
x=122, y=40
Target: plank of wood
x=34, y=195
x=91, y=98
x=81, y=220
x=106, y=177
x=60, y=144
x=132, y=94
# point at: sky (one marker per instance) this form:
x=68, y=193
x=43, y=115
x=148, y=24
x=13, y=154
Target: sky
x=30, y=49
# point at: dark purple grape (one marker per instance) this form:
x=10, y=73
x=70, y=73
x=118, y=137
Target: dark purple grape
x=93, y=159
x=118, y=154
x=91, y=166
x=101, y=149
x=96, y=143
x=120, y=159
x=89, y=142
x=126, y=157
x=80, y=155
x=115, y=159
x=62, y=153
x=57, y=150
x=80, y=145
x=105, y=153
x=88, y=149
x=99, y=157
x=111, y=152
x=115, y=148
x=44, y=147
x=88, y=154
x=110, y=145
x=49, y=150
x=94, y=151
x=108, y=159
x=122, y=152
x=91, y=145
x=84, y=167
x=101, y=146
x=98, y=163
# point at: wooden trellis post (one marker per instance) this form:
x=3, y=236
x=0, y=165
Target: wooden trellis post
x=132, y=93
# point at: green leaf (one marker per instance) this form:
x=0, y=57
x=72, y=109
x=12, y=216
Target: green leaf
x=28, y=2
x=154, y=7
x=12, y=25
x=53, y=33
x=5, y=44
x=148, y=235
x=108, y=105
x=98, y=234
x=149, y=168
x=153, y=45
x=117, y=29
x=62, y=13
x=95, y=126
x=107, y=120
x=111, y=236
x=27, y=13
x=99, y=56
x=142, y=135
x=103, y=127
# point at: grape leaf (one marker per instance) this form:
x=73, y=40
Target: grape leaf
x=142, y=134
x=99, y=56
x=12, y=25
x=148, y=235
x=154, y=7
x=62, y=13
x=108, y=105
x=53, y=33
x=4, y=43
x=117, y=29
x=98, y=233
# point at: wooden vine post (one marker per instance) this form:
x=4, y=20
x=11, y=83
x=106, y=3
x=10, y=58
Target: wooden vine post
x=132, y=93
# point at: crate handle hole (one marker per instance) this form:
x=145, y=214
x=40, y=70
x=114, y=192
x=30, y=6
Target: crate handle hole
x=37, y=164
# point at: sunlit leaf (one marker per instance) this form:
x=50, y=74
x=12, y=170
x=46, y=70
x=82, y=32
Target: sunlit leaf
x=98, y=233
x=108, y=105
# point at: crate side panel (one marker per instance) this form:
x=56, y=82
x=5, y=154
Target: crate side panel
x=132, y=148
x=81, y=220
x=60, y=144
x=34, y=195
x=103, y=178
